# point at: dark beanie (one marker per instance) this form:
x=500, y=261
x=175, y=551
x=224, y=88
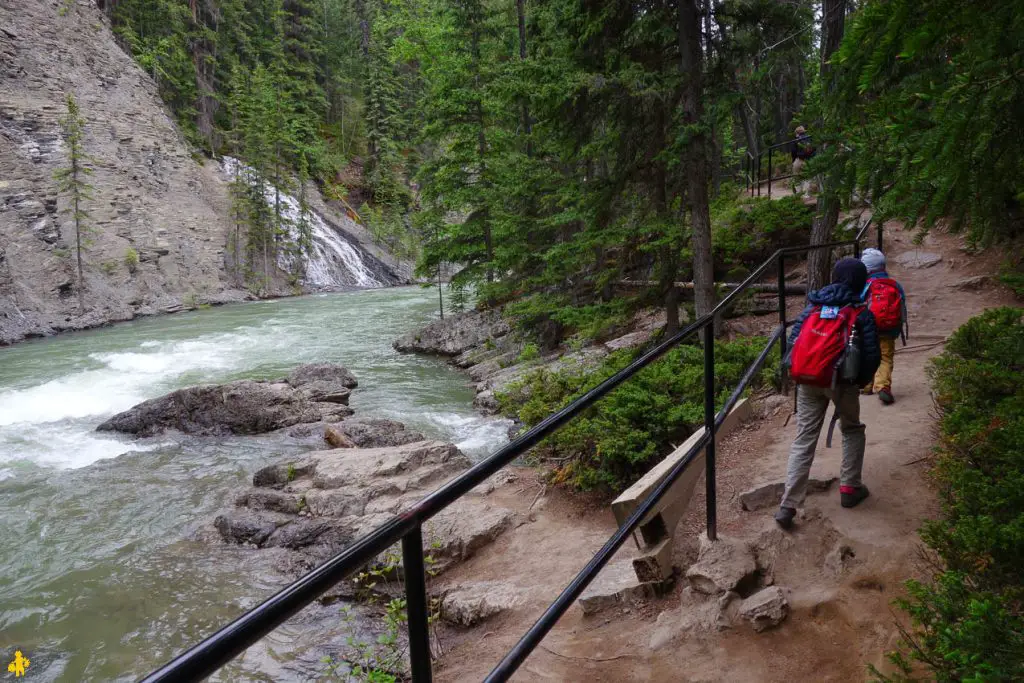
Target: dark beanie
x=851, y=272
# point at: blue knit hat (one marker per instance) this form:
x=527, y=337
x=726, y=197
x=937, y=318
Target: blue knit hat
x=851, y=272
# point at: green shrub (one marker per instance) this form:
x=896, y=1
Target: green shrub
x=529, y=352
x=614, y=442
x=969, y=618
x=747, y=232
x=1012, y=275
x=598, y=320
x=131, y=259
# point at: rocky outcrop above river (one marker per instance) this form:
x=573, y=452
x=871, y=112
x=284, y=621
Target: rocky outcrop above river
x=455, y=334
x=483, y=344
x=310, y=394
x=159, y=218
x=319, y=503
x=150, y=197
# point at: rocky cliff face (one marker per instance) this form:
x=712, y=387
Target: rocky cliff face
x=151, y=195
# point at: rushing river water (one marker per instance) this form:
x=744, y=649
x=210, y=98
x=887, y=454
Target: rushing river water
x=103, y=577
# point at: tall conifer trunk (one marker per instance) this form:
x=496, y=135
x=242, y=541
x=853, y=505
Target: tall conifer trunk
x=697, y=171
x=819, y=261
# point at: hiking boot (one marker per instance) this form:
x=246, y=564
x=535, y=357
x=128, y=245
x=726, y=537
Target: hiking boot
x=886, y=397
x=784, y=517
x=851, y=496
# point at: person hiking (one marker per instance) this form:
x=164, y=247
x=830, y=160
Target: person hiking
x=833, y=351
x=886, y=299
x=801, y=150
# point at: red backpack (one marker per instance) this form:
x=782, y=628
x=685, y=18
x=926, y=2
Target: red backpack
x=819, y=348
x=882, y=296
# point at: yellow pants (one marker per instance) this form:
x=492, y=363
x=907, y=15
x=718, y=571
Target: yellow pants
x=883, y=377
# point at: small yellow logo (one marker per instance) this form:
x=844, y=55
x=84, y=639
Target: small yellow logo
x=18, y=664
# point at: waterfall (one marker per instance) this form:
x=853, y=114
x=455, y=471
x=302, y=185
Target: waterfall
x=332, y=262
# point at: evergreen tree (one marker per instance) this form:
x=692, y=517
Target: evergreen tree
x=72, y=183
x=458, y=179
x=928, y=100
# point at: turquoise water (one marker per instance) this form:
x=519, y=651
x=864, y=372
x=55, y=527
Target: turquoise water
x=104, y=573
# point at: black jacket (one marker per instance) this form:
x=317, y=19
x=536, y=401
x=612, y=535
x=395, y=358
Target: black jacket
x=802, y=148
x=838, y=294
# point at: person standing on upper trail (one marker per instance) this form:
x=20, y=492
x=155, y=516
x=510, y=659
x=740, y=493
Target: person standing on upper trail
x=833, y=352
x=802, y=150
x=886, y=299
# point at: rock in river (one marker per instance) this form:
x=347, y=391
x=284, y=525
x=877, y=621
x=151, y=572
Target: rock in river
x=312, y=393
x=321, y=502
x=455, y=334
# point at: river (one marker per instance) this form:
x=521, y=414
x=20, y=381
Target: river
x=103, y=576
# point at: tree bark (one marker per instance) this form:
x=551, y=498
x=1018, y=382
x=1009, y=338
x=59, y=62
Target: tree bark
x=668, y=256
x=819, y=261
x=697, y=173
x=364, y=27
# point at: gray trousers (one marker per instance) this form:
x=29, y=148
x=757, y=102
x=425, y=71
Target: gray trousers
x=811, y=406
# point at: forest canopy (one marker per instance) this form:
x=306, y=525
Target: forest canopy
x=545, y=150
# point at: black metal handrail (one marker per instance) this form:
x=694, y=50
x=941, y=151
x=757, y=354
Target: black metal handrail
x=218, y=649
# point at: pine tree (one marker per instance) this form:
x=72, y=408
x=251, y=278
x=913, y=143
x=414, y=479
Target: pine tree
x=458, y=179
x=72, y=183
x=928, y=100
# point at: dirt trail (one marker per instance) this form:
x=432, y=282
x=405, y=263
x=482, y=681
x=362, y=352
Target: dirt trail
x=839, y=621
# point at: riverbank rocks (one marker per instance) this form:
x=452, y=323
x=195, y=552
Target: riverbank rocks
x=455, y=334
x=312, y=393
x=373, y=433
x=324, y=500
x=484, y=345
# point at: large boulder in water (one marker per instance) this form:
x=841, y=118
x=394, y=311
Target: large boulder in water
x=373, y=433
x=312, y=393
x=455, y=334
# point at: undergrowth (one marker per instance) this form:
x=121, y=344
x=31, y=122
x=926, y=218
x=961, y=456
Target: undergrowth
x=747, y=232
x=968, y=618
x=383, y=659
x=611, y=444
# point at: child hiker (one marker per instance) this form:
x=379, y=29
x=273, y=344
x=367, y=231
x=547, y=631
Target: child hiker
x=886, y=299
x=833, y=351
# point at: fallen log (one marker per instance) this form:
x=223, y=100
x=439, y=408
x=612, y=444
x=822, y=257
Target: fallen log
x=758, y=287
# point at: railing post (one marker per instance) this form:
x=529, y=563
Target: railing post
x=709, y=425
x=880, y=225
x=416, y=604
x=758, y=176
x=782, y=320
x=771, y=173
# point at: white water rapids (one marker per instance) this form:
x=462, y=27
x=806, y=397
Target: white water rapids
x=106, y=574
